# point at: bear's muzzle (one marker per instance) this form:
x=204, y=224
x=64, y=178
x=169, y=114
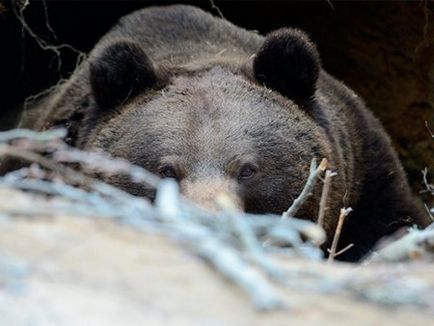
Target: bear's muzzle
x=213, y=193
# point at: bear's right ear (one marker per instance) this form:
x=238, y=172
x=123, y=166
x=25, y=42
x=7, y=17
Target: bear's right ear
x=119, y=72
x=288, y=62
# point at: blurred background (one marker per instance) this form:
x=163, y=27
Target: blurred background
x=383, y=50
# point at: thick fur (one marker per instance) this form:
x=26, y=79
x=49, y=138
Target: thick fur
x=120, y=72
x=288, y=62
x=229, y=97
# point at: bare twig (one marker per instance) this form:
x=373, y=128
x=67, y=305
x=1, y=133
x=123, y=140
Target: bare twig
x=18, y=10
x=324, y=196
x=91, y=160
x=36, y=136
x=331, y=4
x=416, y=244
x=343, y=213
x=47, y=21
x=429, y=129
x=428, y=186
x=203, y=242
x=257, y=252
x=67, y=173
x=98, y=161
x=214, y=6
x=429, y=212
x=308, y=188
x=340, y=252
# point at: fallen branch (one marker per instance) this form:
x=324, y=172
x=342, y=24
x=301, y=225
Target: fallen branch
x=230, y=241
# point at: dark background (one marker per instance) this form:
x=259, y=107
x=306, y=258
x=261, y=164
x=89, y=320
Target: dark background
x=383, y=50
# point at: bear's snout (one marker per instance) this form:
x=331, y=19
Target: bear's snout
x=214, y=194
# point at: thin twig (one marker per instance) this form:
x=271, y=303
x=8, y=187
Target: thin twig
x=308, y=188
x=98, y=161
x=429, y=212
x=429, y=129
x=67, y=173
x=36, y=136
x=18, y=10
x=324, y=196
x=428, y=186
x=214, y=6
x=229, y=263
x=343, y=213
x=330, y=4
x=340, y=252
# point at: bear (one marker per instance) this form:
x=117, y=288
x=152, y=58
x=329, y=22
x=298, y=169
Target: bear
x=218, y=108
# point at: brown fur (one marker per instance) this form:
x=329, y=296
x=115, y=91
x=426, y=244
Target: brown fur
x=174, y=85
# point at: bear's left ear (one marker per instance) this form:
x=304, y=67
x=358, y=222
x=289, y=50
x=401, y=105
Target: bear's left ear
x=119, y=72
x=289, y=63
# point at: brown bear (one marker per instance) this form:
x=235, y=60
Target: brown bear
x=193, y=97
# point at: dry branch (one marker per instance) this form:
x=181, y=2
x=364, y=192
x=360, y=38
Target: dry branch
x=324, y=196
x=416, y=245
x=314, y=173
x=332, y=252
x=230, y=241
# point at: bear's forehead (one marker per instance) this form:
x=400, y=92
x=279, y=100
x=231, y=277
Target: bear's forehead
x=209, y=117
x=212, y=108
x=219, y=93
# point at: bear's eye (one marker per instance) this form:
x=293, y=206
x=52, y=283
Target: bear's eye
x=168, y=171
x=246, y=172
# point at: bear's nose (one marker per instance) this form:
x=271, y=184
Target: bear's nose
x=214, y=193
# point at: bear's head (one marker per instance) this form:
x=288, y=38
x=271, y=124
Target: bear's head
x=245, y=131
